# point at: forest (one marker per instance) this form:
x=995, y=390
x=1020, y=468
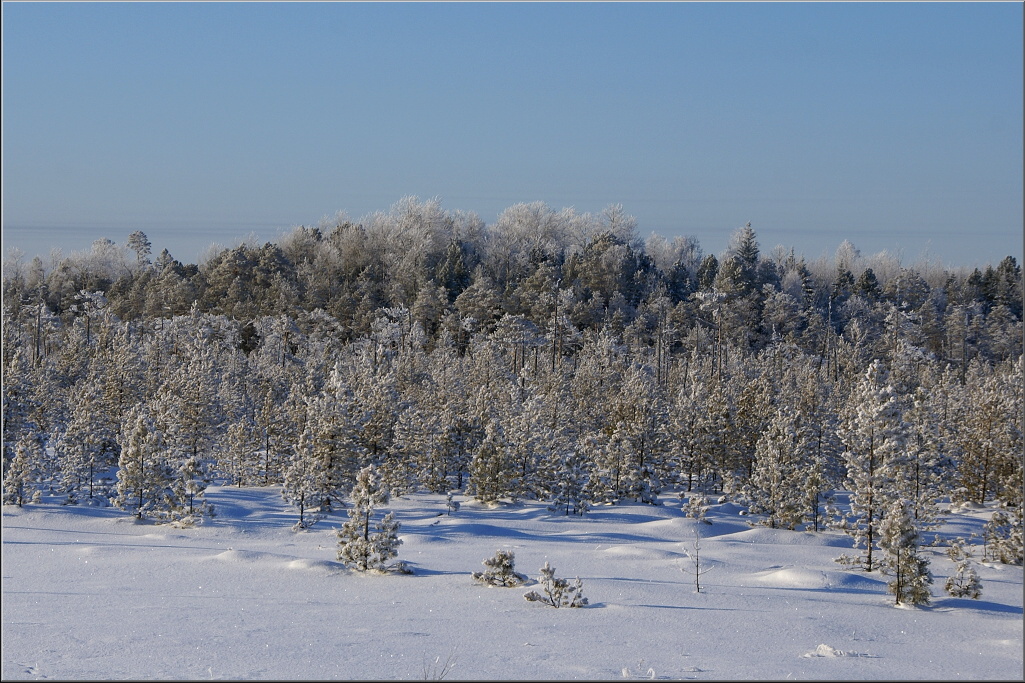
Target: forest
x=552, y=356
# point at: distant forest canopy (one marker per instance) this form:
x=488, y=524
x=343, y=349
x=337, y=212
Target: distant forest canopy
x=551, y=355
x=449, y=267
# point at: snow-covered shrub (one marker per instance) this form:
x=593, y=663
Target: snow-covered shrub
x=965, y=582
x=500, y=571
x=557, y=592
x=696, y=507
x=358, y=547
x=899, y=539
x=1003, y=534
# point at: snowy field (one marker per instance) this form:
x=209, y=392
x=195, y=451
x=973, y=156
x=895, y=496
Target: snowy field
x=88, y=593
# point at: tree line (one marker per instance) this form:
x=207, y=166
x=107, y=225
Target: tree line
x=551, y=356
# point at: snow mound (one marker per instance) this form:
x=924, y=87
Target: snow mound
x=824, y=650
x=305, y=564
x=640, y=552
x=729, y=508
x=231, y=555
x=763, y=534
x=813, y=579
x=792, y=577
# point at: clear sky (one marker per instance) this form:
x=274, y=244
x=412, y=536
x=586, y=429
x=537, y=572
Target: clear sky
x=897, y=126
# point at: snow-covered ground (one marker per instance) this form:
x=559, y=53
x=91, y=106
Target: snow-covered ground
x=88, y=593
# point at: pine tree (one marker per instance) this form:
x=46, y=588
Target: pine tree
x=187, y=491
x=965, y=582
x=302, y=484
x=557, y=592
x=696, y=507
x=570, y=474
x=336, y=449
x=686, y=435
x=637, y=439
x=414, y=458
x=491, y=476
x=928, y=465
x=240, y=455
x=782, y=461
x=989, y=435
x=875, y=437
x=86, y=445
x=358, y=548
x=500, y=571
x=1004, y=537
x=899, y=539
x=20, y=472
x=143, y=477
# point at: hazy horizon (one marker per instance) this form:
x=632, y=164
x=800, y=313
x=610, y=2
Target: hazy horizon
x=896, y=126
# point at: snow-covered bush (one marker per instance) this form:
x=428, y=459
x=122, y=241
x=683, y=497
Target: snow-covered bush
x=500, y=571
x=696, y=507
x=358, y=547
x=557, y=592
x=899, y=539
x=1003, y=533
x=965, y=582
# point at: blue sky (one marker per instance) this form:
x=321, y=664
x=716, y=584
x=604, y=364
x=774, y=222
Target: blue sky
x=897, y=126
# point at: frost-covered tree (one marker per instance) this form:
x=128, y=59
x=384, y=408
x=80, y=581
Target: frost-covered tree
x=989, y=436
x=570, y=475
x=415, y=458
x=333, y=423
x=557, y=592
x=143, y=477
x=87, y=445
x=637, y=439
x=500, y=571
x=875, y=437
x=491, y=474
x=815, y=405
x=1004, y=536
x=684, y=432
x=303, y=481
x=276, y=431
x=189, y=480
x=928, y=466
x=240, y=457
x=965, y=582
x=782, y=460
x=899, y=540
x=696, y=507
x=20, y=473
x=361, y=546
x=694, y=556
x=188, y=410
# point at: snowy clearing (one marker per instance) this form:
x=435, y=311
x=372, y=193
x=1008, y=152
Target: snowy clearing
x=89, y=593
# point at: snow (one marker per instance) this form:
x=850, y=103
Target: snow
x=90, y=593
